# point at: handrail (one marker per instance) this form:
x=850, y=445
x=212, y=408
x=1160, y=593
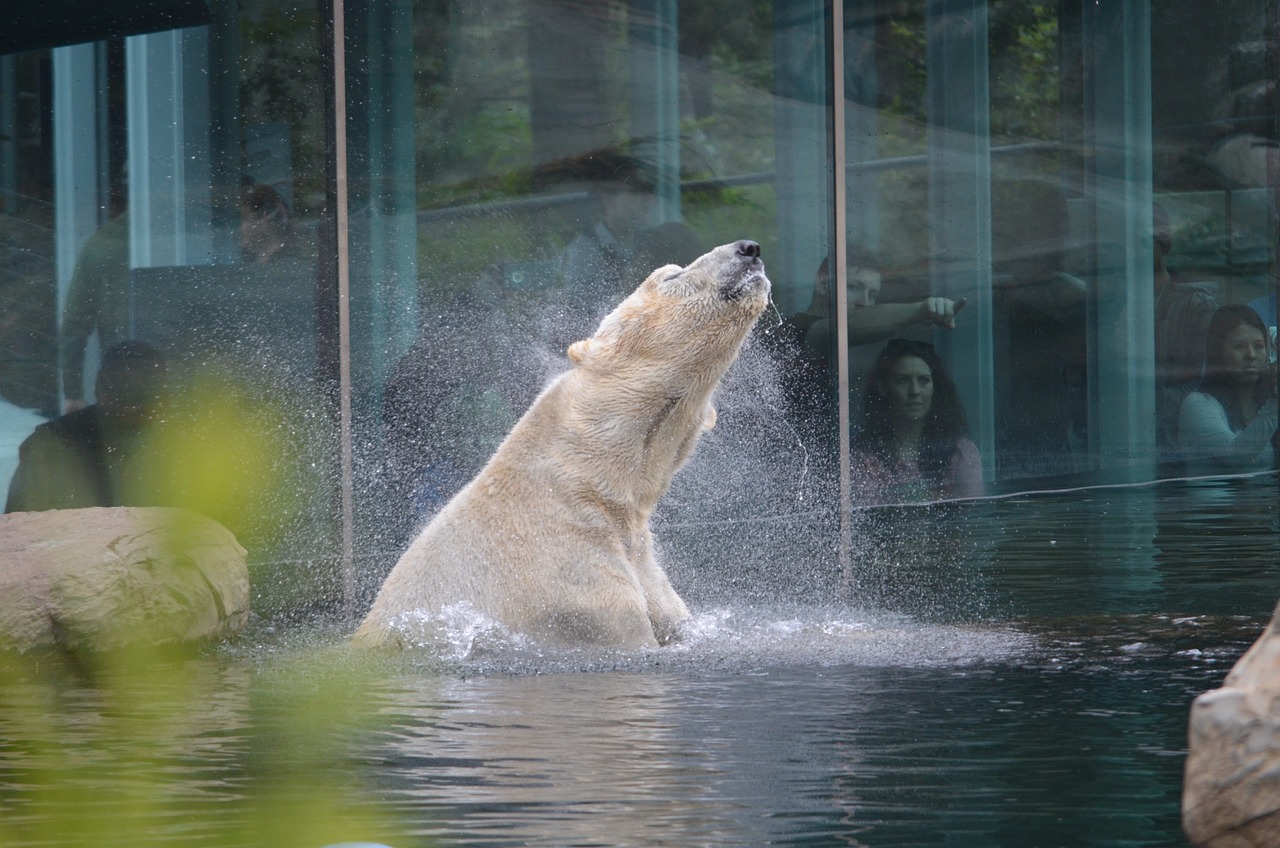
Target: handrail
x=535, y=203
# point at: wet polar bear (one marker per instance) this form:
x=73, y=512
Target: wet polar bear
x=551, y=539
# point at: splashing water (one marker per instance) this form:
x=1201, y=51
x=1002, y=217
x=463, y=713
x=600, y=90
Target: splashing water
x=459, y=632
x=462, y=642
x=749, y=524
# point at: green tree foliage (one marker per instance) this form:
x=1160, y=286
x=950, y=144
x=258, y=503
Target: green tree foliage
x=1024, y=68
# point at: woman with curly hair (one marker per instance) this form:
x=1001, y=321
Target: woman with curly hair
x=914, y=444
x=1230, y=423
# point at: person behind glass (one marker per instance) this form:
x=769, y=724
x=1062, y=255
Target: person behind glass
x=99, y=297
x=1266, y=306
x=1182, y=314
x=84, y=458
x=869, y=321
x=264, y=223
x=97, y=301
x=811, y=332
x=1229, y=423
x=913, y=444
x=449, y=402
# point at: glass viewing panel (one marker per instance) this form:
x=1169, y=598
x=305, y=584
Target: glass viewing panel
x=1083, y=197
x=165, y=280
x=1079, y=187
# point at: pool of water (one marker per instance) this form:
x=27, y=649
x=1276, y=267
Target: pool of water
x=1008, y=673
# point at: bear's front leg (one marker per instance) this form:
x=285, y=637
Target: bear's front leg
x=666, y=609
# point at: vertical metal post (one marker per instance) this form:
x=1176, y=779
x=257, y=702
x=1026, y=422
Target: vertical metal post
x=76, y=158
x=342, y=229
x=839, y=274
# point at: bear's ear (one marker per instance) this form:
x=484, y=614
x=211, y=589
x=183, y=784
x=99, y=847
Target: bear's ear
x=579, y=351
x=670, y=280
x=659, y=275
x=606, y=337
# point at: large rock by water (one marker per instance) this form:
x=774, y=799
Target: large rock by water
x=106, y=578
x=1231, y=792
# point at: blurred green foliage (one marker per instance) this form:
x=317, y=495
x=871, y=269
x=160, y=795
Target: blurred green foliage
x=163, y=747
x=256, y=453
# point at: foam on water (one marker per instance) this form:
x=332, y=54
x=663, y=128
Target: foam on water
x=461, y=641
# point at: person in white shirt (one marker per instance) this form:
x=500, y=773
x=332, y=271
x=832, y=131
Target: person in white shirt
x=1229, y=424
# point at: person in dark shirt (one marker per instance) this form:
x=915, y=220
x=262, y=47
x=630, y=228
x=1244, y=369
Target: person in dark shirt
x=1182, y=314
x=808, y=336
x=85, y=458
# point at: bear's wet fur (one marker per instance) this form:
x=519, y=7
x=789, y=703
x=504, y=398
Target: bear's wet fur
x=551, y=539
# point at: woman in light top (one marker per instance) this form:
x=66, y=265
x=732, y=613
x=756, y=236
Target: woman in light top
x=1230, y=423
x=914, y=443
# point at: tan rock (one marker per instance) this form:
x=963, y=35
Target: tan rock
x=105, y=578
x=1231, y=790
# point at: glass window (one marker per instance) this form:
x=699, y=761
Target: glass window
x=1074, y=190
x=1032, y=209
x=165, y=278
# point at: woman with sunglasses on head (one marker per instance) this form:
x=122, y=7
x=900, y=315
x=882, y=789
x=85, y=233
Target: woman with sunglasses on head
x=1230, y=423
x=913, y=445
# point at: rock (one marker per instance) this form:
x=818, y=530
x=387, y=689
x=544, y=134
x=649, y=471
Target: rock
x=1231, y=790
x=105, y=578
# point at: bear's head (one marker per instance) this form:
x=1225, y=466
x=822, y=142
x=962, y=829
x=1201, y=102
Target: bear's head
x=698, y=315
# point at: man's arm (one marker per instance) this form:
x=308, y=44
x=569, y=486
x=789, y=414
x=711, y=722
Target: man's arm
x=871, y=324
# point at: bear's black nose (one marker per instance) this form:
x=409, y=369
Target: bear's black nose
x=748, y=248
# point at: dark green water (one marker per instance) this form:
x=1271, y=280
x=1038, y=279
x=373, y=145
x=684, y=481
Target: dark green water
x=1010, y=674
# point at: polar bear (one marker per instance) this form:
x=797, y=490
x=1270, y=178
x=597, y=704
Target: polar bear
x=551, y=539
